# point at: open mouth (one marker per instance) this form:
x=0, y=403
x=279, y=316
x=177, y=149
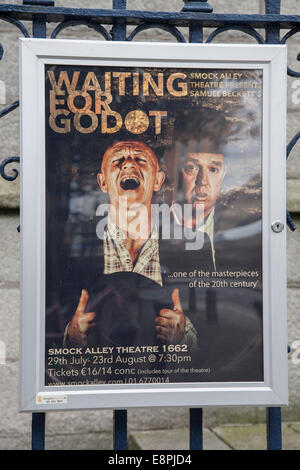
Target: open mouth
x=129, y=182
x=200, y=197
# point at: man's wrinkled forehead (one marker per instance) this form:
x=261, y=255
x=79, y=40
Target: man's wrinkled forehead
x=125, y=148
x=203, y=157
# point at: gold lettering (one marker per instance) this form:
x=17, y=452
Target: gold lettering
x=65, y=122
x=86, y=130
x=181, y=85
x=136, y=84
x=88, y=102
x=91, y=83
x=63, y=78
x=136, y=121
x=104, y=125
x=107, y=82
x=122, y=77
x=157, y=88
x=54, y=102
x=157, y=115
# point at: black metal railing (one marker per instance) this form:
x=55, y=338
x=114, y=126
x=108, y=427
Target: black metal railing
x=196, y=16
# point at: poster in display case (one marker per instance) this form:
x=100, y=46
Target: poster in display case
x=151, y=177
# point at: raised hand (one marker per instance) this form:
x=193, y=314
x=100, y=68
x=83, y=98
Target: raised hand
x=170, y=324
x=81, y=322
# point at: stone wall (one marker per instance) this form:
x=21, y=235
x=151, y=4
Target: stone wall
x=15, y=427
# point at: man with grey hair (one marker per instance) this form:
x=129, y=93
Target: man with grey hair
x=199, y=152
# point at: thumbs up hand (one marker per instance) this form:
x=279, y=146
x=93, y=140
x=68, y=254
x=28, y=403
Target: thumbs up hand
x=170, y=324
x=81, y=321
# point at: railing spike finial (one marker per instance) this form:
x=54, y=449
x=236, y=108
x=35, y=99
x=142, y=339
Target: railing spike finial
x=200, y=6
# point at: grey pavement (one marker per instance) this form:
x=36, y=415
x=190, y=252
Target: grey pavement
x=227, y=437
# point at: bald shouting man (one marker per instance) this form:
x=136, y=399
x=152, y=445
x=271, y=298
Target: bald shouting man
x=130, y=174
